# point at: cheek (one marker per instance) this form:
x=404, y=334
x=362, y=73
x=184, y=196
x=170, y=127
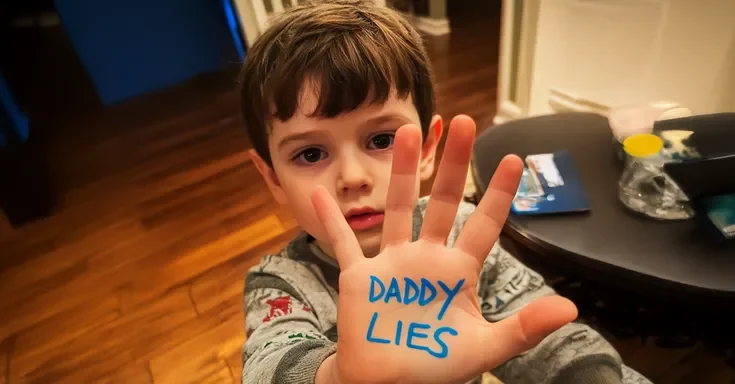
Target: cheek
x=298, y=192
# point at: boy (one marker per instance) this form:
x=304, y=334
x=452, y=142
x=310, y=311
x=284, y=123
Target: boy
x=338, y=102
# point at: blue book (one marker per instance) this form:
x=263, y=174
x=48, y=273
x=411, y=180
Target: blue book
x=550, y=184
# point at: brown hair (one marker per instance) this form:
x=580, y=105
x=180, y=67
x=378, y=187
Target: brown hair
x=354, y=51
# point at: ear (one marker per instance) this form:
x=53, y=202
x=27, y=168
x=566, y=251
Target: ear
x=428, y=149
x=270, y=177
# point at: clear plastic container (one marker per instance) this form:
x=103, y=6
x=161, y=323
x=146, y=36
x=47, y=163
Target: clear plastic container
x=644, y=187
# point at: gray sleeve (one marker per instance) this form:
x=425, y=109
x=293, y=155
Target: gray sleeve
x=284, y=343
x=573, y=354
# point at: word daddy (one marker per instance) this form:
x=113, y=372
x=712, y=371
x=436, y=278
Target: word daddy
x=422, y=294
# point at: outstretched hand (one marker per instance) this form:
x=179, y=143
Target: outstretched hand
x=411, y=313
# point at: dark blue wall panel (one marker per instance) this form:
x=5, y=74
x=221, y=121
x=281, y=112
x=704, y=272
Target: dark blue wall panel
x=131, y=47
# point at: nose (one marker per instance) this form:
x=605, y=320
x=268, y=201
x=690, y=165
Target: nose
x=354, y=176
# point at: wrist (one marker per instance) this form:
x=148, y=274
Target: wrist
x=327, y=372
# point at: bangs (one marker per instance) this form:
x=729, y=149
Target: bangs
x=345, y=71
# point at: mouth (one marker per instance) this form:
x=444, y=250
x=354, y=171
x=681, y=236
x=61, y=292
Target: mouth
x=364, y=218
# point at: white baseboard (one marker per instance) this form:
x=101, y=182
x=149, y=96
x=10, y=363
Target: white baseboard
x=427, y=25
x=433, y=27
x=563, y=101
x=507, y=111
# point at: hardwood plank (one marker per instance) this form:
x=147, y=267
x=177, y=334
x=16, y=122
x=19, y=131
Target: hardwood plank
x=5, y=348
x=158, y=187
x=172, y=338
x=702, y=366
x=628, y=347
x=234, y=361
x=120, y=263
x=196, y=369
x=65, y=227
x=128, y=374
x=179, y=235
x=147, y=283
x=106, y=349
x=225, y=281
x=168, y=164
x=39, y=273
x=52, y=334
x=653, y=361
x=153, y=146
x=201, y=359
x=215, y=192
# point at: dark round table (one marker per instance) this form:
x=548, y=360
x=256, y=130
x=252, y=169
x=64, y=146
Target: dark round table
x=609, y=242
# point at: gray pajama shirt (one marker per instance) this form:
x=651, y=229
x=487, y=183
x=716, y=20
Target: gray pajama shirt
x=291, y=317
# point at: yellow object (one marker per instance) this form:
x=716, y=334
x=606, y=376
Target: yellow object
x=643, y=145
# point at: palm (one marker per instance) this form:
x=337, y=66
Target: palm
x=411, y=313
x=415, y=261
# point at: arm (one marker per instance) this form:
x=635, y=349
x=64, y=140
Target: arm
x=285, y=344
x=573, y=354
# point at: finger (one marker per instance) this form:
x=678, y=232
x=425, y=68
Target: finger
x=526, y=329
x=340, y=235
x=398, y=224
x=484, y=225
x=446, y=192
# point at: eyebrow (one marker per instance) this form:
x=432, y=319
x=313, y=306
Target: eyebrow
x=387, y=118
x=296, y=137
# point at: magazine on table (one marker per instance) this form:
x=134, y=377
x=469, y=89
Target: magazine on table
x=550, y=184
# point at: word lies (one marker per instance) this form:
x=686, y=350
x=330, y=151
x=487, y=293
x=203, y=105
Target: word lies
x=422, y=293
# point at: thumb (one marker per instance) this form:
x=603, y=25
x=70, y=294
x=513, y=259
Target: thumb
x=526, y=329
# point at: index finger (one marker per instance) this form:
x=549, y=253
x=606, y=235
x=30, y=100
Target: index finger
x=341, y=237
x=484, y=225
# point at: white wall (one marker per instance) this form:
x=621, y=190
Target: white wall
x=595, y=54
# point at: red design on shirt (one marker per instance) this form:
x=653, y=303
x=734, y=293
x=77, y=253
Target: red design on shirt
x=307, y=309
x=279, y=306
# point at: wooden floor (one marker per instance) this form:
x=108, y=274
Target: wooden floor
x=137, y=276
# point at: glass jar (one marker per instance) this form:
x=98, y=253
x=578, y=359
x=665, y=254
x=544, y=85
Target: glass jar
x=644, y=186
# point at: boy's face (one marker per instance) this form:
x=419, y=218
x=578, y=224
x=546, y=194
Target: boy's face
x=350, y=155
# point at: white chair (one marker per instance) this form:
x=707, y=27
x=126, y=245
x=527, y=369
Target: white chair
x=254, y=14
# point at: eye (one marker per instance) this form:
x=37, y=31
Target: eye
x=381, y=141
x=310, y=156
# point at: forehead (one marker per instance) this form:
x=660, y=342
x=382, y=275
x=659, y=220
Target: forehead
x=394, y=109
